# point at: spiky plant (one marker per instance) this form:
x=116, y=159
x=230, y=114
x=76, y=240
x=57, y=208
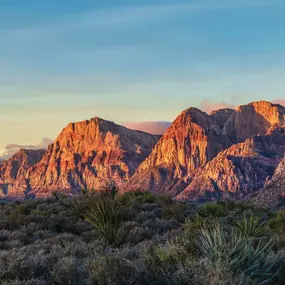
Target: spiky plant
x=105, y=216
x=238, y=254
x=252, y=226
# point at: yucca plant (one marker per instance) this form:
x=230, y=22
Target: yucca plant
x=239, y=254
x=252, y=226
x=105, y=216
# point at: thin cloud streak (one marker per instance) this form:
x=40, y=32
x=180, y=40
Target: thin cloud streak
x=125, y=16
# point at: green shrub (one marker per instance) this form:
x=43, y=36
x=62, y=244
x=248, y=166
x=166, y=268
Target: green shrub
x=278, y=223
x=23, y=210
x=105, y=217
x=212, y=210
x=174, y=211
x=67, y=271
x=112, y=270
x=168, y=264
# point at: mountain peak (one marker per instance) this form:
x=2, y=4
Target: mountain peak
x=87, y=154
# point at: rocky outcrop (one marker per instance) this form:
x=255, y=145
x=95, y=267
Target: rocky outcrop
x=189, y=143
x=253, y=119
x=273, y=194
x=14, y=170
x=89, y=155
x=239, y=170
x=221, y=116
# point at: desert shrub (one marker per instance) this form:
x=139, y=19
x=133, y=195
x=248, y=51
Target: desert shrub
x=159, y=226
x=144, y=216
x=113, y=270
x=164, y=200
x=145, y=197
x=278, y=223
x=105, y=217
x=168, y=264
x=174, y=211
x=149, y=207
x=68, y=271
x=23, y=209
x=212, y=210
x=136, y=234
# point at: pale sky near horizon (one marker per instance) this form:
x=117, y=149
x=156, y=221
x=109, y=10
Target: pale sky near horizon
x=125, y=60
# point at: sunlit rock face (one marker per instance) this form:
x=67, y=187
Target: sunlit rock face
x=253, y=119
x=228, y=152
x=13, y=171
x=189, y=143
x=224, y=152
x=239, y=170
x=273, y=193
x=89, y=155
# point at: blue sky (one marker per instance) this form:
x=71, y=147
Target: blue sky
x=63, y=61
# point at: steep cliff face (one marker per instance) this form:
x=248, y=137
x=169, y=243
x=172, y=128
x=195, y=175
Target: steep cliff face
x=273, y=194
x=88, y=154
x=253, y=119
x=239, y=170
x=14, y=170
x=189, y=143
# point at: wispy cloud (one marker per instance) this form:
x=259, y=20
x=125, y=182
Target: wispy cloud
x=209, y=106
x=280, y=101
x=151, y=127
x=11, y=149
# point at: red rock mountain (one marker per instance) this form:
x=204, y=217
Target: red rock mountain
x=253, y=119
x=190, y=142
x=239, y=170
x=227, y=151
x=14, y=170
x=88, y=155
x=273, y=194
x=194, y=141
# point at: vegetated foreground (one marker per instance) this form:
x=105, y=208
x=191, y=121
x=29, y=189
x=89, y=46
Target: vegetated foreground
x=137, y=238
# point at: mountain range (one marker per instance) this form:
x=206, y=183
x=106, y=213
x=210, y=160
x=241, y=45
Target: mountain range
x=229, y=153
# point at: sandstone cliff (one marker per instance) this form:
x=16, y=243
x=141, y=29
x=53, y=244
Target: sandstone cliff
x=221, y=116
x=184, y=153
x=253, y=119
x=273, y=194
x=89, y=155
x=14, y=170
x=228, y=151
x=239, y=170
x=189, y=143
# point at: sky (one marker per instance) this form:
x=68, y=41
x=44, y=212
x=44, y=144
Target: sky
x=132, y=61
